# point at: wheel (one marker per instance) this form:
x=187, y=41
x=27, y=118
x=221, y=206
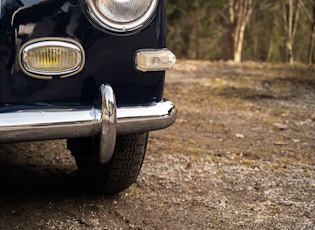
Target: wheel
x=120, y=172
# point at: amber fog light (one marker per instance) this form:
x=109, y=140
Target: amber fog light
x=48, y=58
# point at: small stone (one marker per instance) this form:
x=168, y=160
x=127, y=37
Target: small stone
x=281, y=126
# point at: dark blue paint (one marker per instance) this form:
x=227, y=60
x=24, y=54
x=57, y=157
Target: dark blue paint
x=109, y=57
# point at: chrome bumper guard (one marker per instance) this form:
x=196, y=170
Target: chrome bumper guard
x=57, y=123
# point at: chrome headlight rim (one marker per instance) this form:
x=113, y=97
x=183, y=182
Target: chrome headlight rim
x=51, y=42
x=120, y=27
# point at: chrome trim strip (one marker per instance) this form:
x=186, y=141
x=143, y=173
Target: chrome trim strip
x=58, y=123
x=43, y=124
x=139, y=119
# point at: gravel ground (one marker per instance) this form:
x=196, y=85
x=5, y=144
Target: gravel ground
x=240, y=156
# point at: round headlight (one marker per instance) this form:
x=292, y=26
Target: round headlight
x=121, y=15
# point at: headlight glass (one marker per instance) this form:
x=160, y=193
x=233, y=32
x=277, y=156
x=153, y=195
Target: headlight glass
x=123, y=11
x=121, y=15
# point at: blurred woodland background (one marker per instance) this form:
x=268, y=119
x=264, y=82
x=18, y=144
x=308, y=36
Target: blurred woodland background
x=242, y=30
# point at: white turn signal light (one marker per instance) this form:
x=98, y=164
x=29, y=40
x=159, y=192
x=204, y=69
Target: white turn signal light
x=48, y=58
x=154, y=60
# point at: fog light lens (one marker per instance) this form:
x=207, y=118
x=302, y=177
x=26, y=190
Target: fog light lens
x=154, y=60
x=51, y=58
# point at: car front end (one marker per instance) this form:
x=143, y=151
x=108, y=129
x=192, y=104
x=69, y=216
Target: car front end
x=83, y=70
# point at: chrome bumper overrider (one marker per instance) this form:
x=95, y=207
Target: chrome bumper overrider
x=45, y=123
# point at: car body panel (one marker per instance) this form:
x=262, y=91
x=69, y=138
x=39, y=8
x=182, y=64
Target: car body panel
x=109, y=57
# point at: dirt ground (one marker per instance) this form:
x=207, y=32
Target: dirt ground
x=240, y=156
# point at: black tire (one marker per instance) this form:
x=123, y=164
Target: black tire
x=120, y=172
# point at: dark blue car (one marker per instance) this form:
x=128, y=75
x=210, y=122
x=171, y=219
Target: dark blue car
x=91, y=72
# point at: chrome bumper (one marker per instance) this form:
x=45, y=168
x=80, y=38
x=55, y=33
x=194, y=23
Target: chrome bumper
x=46, y=123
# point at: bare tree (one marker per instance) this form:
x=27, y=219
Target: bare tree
x=311, y=49
x=268, y=30
x=239, y=13
x=291, y=16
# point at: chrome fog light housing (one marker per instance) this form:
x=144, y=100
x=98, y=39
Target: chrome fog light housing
x=46, y=58
x=121, y=15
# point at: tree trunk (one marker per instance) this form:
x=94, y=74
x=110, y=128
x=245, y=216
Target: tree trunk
x=311, y=49
x=239, y=12
x=239, y=44
x=229, y=49
x=291, y=15
x=271, y=43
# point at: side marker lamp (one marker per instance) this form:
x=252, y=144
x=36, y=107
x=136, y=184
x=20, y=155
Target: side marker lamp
x=154, y=60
